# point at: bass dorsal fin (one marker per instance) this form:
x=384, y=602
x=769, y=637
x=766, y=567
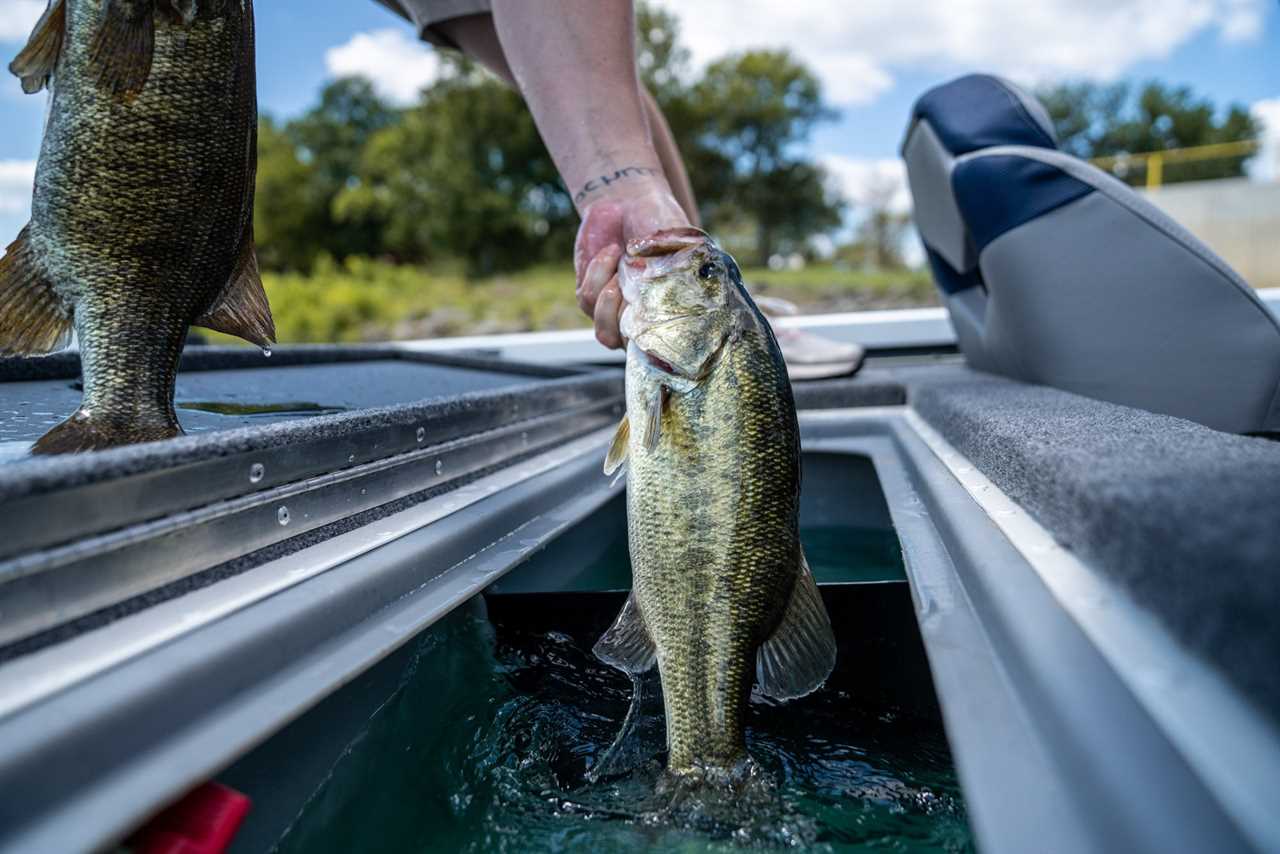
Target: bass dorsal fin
x=34, y=65
x=242, y=308
x=801, y=653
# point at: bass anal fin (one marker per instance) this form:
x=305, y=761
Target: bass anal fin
x=629, y=647
x=627, y=644
x=242, y=308
x=801, y=653
x=33, y=318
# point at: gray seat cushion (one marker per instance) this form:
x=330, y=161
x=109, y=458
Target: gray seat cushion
x=1056, y=273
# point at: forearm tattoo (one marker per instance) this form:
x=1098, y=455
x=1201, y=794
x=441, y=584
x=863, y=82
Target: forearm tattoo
x=605, y=180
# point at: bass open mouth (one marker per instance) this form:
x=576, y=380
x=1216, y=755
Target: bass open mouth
x=661, y=364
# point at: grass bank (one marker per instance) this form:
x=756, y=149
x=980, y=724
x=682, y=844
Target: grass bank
x=364, y=300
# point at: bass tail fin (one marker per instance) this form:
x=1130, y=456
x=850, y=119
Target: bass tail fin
x=81, y=432
x=35, y=63
x=123, y=48
x=33, y=318
x=801, y=653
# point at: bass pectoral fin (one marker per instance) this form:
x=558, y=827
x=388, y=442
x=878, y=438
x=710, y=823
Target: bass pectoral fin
x=627, y=644
x=34, y=64
x=801, y=653
x=653, y=419
x=617, y=455
x=33, y=318
x=242, y=308
x=123, y=47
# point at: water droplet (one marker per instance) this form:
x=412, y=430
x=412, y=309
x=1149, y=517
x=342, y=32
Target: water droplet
x=422, y=434
x=256, y=472
x=439, y=467
x=283, y=515
x=266, y=351
x=524, y=439
x=351, y=458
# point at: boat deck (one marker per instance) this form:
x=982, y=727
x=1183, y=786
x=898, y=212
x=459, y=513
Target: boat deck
x=1093, y=583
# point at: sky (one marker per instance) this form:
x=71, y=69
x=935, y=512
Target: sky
x=874, y=57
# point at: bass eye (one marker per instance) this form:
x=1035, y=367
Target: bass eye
x=708, y=270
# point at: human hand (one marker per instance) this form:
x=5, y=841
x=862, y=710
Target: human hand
x=607, y=224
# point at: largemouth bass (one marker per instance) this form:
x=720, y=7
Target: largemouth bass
x=142, y=217
x=722, y=596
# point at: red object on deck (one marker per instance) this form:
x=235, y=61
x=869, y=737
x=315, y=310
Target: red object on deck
x=203, y=822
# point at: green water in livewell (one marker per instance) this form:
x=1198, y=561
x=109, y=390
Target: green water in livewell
x=486, y=743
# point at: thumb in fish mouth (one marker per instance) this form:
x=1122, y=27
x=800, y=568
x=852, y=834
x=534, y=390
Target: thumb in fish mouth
x=666, y=241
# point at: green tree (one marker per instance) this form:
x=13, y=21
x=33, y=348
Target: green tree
x=290, y=214
x=663, y=62
x=462, y=175
x=756, y=110
x=882, y=232
x=304, y=165
x=331, y=138
x=664, y=69
x=1100, y=121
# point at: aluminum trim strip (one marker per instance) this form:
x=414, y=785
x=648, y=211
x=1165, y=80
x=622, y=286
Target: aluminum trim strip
x=32, y=678
x=94, y=493
x=46, y=589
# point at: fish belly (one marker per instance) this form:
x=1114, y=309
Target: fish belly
x=715, y=554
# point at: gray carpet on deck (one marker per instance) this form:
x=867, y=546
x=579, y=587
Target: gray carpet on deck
x=869, y=387
x=1187, y=519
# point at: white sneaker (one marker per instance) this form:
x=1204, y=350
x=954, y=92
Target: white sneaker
x=809, y=356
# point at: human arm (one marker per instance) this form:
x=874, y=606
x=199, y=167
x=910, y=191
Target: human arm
x=574, y=63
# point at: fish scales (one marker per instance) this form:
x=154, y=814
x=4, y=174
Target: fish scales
x=712, y=449
x=713, y=572
x=142, y=215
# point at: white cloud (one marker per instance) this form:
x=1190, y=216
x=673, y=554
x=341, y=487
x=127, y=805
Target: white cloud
x=854, y=46
x=874, y=183
x=397, y=63
x=1266, y=165
x=16, y=178
x=18, y=18
x=871, y=182
x=1242, y=20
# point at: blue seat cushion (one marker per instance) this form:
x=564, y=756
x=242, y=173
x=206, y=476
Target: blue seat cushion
x=998, y=194
x=978, y=111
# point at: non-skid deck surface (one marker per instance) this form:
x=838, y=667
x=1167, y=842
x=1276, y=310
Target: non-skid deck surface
x=223, y=399
x=1187, y=519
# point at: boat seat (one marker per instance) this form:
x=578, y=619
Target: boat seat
x=1056, y=273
